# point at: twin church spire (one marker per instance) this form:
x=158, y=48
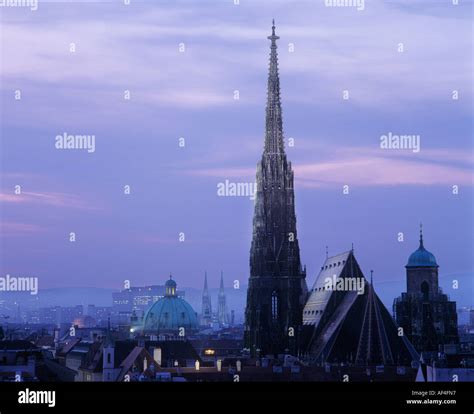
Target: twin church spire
x=207, y=315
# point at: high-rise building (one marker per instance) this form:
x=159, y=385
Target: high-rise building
x=427, y=316
x=206, y=310
x=138, y=298
x=222, y=316
x=277, y=288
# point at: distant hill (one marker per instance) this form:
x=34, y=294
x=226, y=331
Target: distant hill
x=236, y=298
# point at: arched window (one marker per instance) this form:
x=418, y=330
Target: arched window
x=274, y=305
x=108, y=357
x=425, y=289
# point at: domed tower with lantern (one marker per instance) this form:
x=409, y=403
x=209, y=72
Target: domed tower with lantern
x=170, y=315
x=425, y=313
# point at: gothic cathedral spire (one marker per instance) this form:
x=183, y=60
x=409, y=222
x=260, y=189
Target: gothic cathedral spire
x=277, y=287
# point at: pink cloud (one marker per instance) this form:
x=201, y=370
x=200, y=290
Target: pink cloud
x=370, y=167
x=16, y=229
x=239, y=172
x=379, y=171
x=54, y=199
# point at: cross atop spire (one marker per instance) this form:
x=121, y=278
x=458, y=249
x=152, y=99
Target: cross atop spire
x=273, y=37
x=421, y=236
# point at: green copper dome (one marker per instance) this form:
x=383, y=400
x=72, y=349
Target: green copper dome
x=170, y=312
x=421, y=257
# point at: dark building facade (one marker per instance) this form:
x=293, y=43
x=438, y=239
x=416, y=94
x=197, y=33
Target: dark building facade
x=277, y=288
x=425, y=313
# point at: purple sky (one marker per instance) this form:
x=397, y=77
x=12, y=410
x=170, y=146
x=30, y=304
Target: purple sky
x=191, y=95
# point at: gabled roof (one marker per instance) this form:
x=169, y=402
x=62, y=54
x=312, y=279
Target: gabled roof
x=95, y=355
x=137, y=356
x=353, y=326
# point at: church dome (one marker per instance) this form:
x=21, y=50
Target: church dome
x=422, y=257
x=170, y=312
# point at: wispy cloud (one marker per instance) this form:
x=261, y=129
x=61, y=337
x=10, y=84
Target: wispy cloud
x=53, y=199
x=137, y=49
x=378, y=171
x=369, y=167
x=11, y=228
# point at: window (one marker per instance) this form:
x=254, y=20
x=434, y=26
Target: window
x=274, y=305
x=108, y=358
x=425, y=289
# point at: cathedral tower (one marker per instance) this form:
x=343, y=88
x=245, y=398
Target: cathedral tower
x=277, y=287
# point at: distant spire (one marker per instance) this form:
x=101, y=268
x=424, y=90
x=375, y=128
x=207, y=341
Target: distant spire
x=421, y=236
x=327, y=252
x=352, y=247
x=205, y=283
x=206, y=317
x=222, y=281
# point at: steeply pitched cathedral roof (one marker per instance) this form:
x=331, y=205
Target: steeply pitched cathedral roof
x=351, y=327
x=319, y=296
